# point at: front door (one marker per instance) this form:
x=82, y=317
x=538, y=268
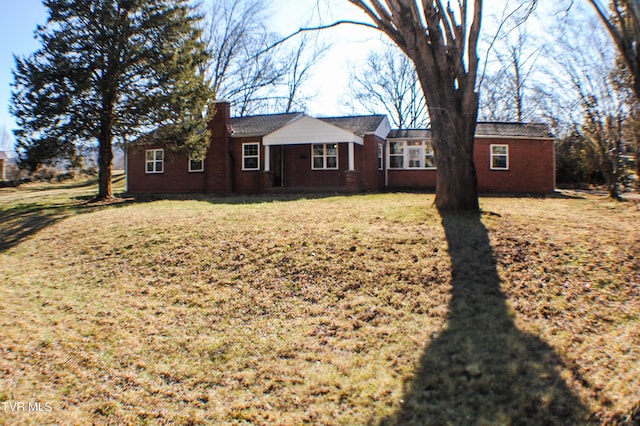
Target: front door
x=276, y=165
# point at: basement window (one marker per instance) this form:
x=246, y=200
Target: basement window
x=499, y=157
x=154, y=161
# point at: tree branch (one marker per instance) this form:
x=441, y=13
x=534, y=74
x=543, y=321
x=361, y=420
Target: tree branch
x=318, y=28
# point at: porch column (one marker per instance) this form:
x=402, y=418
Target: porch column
x=267, y=158
x=351, y=157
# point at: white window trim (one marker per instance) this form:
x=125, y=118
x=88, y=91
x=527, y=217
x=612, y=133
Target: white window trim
x=324, y=157
x=250, y=156
x=154, y=161
x=380, y=157
x=405, y=156
x=196, y=170
x=491, y=155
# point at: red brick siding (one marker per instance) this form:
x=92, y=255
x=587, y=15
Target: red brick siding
x=531, y=169
x=175, y=178
x=371, y=178
x=531, y=166
x=297, y=171
x=218, y=165
x=246, y=181
x=423, y=179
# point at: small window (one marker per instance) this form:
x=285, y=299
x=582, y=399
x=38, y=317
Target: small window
x=324, y=156
x=415, y=154
x=154, y=161
x=499, y=157
x=196, y=165
x=380, y=150
x=396, y=155
x=429, y=156
x=250, y=156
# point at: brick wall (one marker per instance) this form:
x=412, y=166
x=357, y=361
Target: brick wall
x=531, y=166
x=245, y=181
x=531, y=169
x=298, y=172
x=175, y=177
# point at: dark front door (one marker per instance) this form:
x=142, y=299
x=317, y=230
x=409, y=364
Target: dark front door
x=276, y=165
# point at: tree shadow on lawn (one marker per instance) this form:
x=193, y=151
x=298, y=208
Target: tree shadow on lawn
x=20, y=222
x=481, y=369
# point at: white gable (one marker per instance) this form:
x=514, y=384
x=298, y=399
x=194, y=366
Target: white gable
x=383, y=129
x=308, y=130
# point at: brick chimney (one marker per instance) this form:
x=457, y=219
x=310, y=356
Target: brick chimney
x=220, y=124
x=218, y=162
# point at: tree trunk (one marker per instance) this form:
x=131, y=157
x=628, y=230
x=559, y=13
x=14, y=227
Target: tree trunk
x=457, y=182
x=105, y=159
x=105, y=150
x=638, y=164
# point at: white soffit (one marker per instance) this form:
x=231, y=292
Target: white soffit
x=308, y=130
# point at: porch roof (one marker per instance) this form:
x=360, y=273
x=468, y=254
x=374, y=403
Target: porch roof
x=270, y=125
x=309, y=130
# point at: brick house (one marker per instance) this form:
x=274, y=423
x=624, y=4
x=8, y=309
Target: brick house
x=298, y=153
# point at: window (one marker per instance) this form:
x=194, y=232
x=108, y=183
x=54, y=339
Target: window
x=250, y=156
x=415, y=154
x=380, y=156
x=429, y=156
x=396, y=155
x=411, y=155
x=499, y=157
x=196, y=165
x=324, y=156
x=154, y=161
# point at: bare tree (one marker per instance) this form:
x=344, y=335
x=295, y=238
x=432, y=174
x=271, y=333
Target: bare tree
x=303, y=58
x=442, y=43
x=504, y=91
x=247, y=66
x=235, y=37
x=388, y=82
x=623, y=23
x=592, y=104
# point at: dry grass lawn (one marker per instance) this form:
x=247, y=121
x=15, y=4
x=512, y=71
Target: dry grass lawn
x=367, y=309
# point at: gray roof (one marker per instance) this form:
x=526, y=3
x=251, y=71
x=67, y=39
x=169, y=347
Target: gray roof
x=3, y=155
x=361, y=125
x=499, y=129
x=260, y=125
x=410, y=134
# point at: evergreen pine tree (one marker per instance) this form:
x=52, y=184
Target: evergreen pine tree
x=107, y=71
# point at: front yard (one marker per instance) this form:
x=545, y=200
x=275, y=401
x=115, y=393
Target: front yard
x=358, y=309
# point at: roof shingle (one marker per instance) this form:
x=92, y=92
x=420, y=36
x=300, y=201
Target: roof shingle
x=260, y=125
x=360, y=125
x=502, y=129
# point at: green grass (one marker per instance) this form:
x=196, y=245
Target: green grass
x=366, y=309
